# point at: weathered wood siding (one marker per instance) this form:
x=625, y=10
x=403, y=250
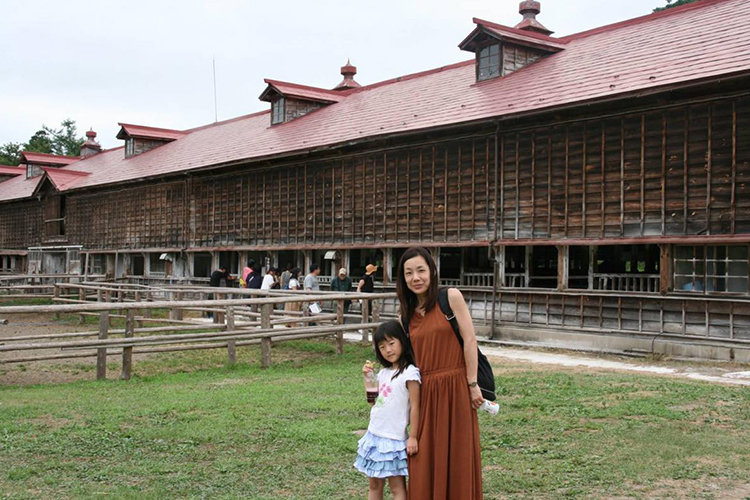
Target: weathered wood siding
x=21, y=224
x=678, y=171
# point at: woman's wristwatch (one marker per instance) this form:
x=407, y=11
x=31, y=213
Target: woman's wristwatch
x=473, y=384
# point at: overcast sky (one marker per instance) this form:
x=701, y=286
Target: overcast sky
x=150, y=62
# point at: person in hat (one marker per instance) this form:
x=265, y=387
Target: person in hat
x=367, y=285
x=342, y=283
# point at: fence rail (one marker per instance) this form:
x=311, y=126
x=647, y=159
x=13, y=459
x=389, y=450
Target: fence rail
x=247, y=317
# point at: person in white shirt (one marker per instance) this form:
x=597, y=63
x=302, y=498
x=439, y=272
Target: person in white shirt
x=269, y=279
x=382, y=452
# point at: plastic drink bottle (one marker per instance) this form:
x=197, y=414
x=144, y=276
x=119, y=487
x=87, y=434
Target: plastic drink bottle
x=371, y=384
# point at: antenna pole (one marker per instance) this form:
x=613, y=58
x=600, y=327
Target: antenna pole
x=216, y=108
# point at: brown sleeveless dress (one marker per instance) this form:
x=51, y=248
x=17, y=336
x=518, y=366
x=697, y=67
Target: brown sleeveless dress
x=448, y=465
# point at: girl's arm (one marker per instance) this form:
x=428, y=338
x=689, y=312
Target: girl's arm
x=466, y=329
x=412, y=445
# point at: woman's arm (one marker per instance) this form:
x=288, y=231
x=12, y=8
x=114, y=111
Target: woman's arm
x=360, y=285
x=412, y=445
x=466, y=329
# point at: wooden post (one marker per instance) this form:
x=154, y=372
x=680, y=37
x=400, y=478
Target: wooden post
x=265, y=343
x=218, y=316
x=101, y=353
x=82, y=297
x=231, y=344
x=56, y=295
x=175, y=312
x=527, y=266
x=665, y=269
x=562, y=267
x=147, y=312
x=375, y=313
x=138, y=299
x=340, y=321
x=127, y=352
x=365, y=319
x=592, y=266
x=107, y=298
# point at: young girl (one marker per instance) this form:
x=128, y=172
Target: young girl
x=382, y=452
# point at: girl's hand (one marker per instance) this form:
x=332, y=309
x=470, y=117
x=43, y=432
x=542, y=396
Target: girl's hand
x=412, y=446
x=368, y=367
x=476, y=397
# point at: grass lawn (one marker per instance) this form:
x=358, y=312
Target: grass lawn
x=187, y=426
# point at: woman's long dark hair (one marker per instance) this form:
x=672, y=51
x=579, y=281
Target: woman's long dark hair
x=408, y=299
x=392, y=330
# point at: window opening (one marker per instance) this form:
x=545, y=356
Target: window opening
x=627, y=268
x=202, y=264
x=156, y=265
x=277, y=111
x=137, y=264
x=360, y=258
x=711, y=269
x=230, y=261
x=488, y=65
x=578, y=267
x=97, y=264
x=479, y=269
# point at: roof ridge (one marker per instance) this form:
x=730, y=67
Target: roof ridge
x=228, y=120
x=517, y=31
x=412, y=76
x=699, y=4
x=50, y=155
x=271, y=81
x=150, y=127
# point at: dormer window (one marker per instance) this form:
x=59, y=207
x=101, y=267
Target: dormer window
x=139, y=139
x=277, y=111
x=290, y=101
x=488, y=62
x=37, y=162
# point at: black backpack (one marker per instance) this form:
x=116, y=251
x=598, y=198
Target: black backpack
x=485, y=377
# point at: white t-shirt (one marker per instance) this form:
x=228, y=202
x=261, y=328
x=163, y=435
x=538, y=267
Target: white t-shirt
x=390, y=415
x=267, y=282
x=293, y=284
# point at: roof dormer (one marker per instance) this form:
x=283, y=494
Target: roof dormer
x=139, y=139
x=36, y=163
x=291, y=100
x=501, y=50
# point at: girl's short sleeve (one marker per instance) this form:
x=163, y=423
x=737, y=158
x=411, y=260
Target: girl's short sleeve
x=412, y=373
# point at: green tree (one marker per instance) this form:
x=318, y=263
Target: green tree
x=673, y=3
x=10, y=153
x=62, y=141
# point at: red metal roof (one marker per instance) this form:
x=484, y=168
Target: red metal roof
x=48, y=159
x=301, y=91
x=64, y=179
x=143, y=132
x=676, y=46
x=11, y=170
x=520, y=36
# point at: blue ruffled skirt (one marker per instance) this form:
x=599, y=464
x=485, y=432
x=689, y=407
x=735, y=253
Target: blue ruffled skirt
x=381, y=457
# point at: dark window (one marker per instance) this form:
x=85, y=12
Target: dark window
x=155, y=264
x=97, y=264
x=488, y=64
x=709, y=269
x=136, y=265
x=277, y=111
x=202, y=264
x=54, y=216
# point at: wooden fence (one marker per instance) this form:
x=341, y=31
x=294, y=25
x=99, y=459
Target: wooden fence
x=241, y=317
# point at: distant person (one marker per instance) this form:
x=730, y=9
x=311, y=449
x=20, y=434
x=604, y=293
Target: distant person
x=342, y=283
x=254, y=279
x=367, y=285
x=246, y=272
x=311, y=284
x=269, y=280
x=293, y=285
x=215, y=281
x=286, y=276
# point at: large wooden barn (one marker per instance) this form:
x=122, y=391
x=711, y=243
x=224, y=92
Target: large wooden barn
x=597, y=185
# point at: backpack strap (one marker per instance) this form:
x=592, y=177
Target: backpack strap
x=445, y=308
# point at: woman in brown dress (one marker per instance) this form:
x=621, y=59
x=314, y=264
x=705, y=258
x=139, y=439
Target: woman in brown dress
x=448, y=465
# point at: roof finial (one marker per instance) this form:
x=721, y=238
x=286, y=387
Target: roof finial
x=529, y=9
x=348, y=70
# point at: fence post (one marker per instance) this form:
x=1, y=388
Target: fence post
x=340, y=321
x=82, y=298
x=175, y=313
x=127, y=352
x=107, y=298
x=365, y=319
x=375, y=304
x=56, y=295
x=139, y=323
x=147, y=312
x=101, y=353
x=265, y=342
x=231, y=344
